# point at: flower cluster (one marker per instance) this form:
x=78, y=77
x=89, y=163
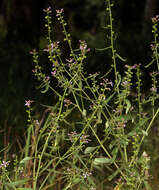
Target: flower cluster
x=70, y=62
x=153, y=46
x=154, y=74
x=67, y=102
x=72, y=136
x=105, y=83
x=153, y=89
x=52, y=47
x=36, y=122
x=125, y=83
x=53, y=73
x=131, y=67
x=87, y=174
x=84, y=139
x=83, y=46
x=121, y=124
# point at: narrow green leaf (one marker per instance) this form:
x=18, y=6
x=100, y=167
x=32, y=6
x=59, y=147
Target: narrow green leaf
x=122, y=59
x=25, y=160
x=144, y=133
x=80, y=85
x=148, y=187
x=107, y=124
x=46, y=89
x=88, y=150
x=99, y=161
x=109, y=98
x=76, y=180
x=84, y=112
x=142, y=122
x=99, y=116
x=128, y=105
x=113, y=175
x=16, y=183
x=103, y=49
x=114, y=153
x=24, y=189
x=150, y=63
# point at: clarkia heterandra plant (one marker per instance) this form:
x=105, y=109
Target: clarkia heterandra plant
x=93, y=134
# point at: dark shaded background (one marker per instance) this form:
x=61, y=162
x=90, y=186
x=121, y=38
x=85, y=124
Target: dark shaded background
x=22, y=29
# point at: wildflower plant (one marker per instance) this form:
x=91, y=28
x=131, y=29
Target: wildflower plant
x=92, y=136
x=87, y=148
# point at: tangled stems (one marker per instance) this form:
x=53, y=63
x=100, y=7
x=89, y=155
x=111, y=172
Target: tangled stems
x=154, y=46
x=110, y=26
x=104, y=131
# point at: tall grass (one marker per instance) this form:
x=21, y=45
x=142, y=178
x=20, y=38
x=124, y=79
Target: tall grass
x=92, y=137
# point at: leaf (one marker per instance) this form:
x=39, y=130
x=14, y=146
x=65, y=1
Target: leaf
x=16, y=183
x=122, y=59
x=99, y=161
x=114, y=153
x=112, y=144
x=117, y=187
x=107, y=124
x=46, y=89
x=103, y=49
x=128, y=105
x=150, y=63
x=148, y=187
x=132, y=133
x=99, y=116
x=80, y=85
x=142, y=122
x=88, y=150
x=76, y=180
x=109, y=98
x=25, y=160
x=84, y=112
x=57, y=139
x=144, y=133
x=113, y=175
x=24, y=189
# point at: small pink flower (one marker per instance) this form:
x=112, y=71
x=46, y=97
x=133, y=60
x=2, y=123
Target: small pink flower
x=28, y=103
x=36, y=122
x=84, y=139
x=53, y=73
x=34, y=70
x=153, y=89
x=51, y=47
x=4, y=164
x=47, y=10
x=47, y=78
x=67, y=102
x=70, y=60
x=153, y=46
x=59, y=12
x=33, y=52
x=125, y=83
x=155, y=19
x=83, y=46
x=134, y=66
